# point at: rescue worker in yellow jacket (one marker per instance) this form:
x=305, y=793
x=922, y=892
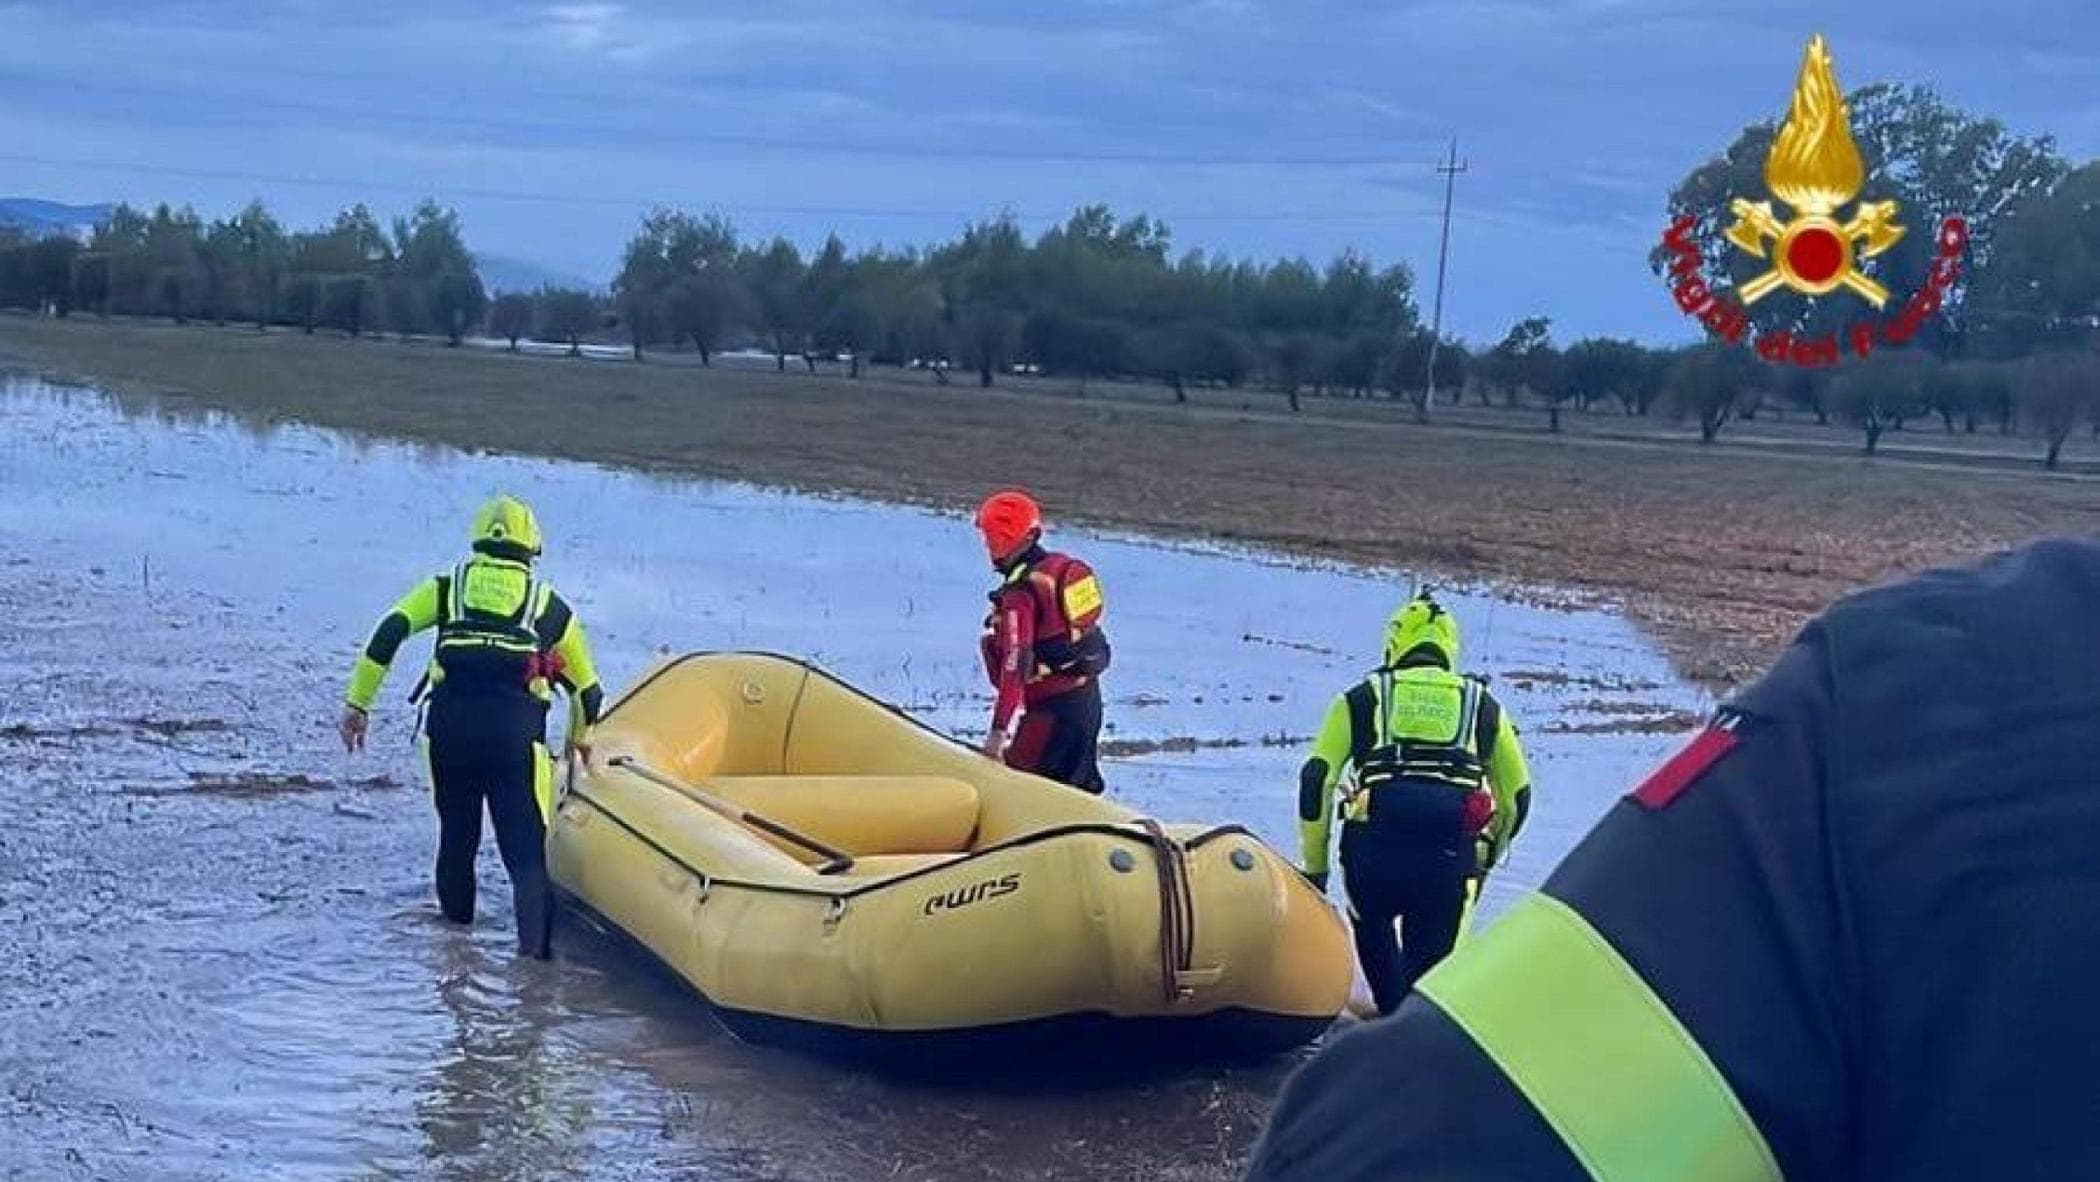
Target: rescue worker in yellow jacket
x=1847, y=932
x=505, y=641
x=1434, y=788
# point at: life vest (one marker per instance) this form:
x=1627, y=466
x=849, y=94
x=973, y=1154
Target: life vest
x=1068, y=640
x=1415, y=744
x=487, y=632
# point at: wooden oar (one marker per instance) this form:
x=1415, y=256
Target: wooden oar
x=836, y=860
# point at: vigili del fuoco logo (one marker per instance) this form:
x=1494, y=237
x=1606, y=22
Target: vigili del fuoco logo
x=1815, y=242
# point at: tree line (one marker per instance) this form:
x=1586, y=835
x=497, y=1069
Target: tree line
x=1092, y=298
x=353, y=274
x=1101, y=297
x=1095, y=297
x=2048, y=394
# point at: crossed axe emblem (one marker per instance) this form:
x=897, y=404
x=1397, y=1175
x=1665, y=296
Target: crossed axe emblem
x=1814, y=253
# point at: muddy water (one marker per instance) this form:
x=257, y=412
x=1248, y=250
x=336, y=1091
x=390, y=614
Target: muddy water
x=218, y=955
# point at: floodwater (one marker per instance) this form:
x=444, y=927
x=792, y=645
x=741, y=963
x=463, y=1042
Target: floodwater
x=218, y=952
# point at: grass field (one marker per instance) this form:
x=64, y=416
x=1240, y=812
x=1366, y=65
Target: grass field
x=1722, y=551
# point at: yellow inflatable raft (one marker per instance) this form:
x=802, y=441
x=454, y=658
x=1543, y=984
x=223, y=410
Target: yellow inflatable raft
x=832, y=874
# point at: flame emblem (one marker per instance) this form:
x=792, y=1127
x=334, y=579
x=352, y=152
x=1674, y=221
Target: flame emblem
x=1815, y=168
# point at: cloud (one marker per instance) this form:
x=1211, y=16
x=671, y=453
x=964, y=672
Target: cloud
x=583, y=26
x=612, y=32
x=1363, y=101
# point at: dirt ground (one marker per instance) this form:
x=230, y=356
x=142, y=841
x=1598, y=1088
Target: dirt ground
x=1721, y=551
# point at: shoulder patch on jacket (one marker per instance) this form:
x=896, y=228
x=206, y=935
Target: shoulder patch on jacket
x=1684, y=769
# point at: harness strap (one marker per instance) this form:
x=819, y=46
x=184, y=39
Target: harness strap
x=1177, y=911
x=1469, y=719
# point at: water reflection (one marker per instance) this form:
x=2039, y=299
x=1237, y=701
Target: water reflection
x=502, y=1103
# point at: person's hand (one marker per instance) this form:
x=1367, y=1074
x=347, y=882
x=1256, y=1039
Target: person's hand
x=995, y=745
x=577, y=749
x=352, y=727
x=1318, y=879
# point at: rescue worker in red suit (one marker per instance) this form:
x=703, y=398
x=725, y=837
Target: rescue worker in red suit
x=1043, y=649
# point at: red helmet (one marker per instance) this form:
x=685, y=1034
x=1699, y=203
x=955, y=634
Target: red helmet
x=1009, y=519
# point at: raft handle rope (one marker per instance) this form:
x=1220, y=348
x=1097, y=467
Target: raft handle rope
x=835, y=860
x=1177, y=911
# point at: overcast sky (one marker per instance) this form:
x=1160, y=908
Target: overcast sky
x=1255, y=127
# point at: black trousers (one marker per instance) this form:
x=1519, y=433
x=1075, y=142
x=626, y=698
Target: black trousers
x=1060, y=739
x=485, y=752
x=1421, y=885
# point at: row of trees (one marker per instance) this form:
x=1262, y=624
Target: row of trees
x=1094, y=297
x=353, y=274
x=2049, y=392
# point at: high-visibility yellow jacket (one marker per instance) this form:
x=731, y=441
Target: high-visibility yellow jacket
x=497, y=625
x=1442, y=725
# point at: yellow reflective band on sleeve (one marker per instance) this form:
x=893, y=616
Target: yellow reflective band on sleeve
x=365, y=679
x=1312, y=845
x=1596, y=1052
x=1082, y=598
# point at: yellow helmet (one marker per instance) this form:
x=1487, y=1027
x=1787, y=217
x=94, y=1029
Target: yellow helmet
x=506, y=527
x=1422, y=621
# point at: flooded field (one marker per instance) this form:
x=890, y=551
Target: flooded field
x=220, y=954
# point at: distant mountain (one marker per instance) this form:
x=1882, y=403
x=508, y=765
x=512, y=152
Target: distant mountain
x=36, y=216
x=502, y=273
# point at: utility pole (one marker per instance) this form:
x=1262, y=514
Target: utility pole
x=1450, y=168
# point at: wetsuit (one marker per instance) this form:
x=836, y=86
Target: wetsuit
x=1045, y=651
x=1437, y=788
x=505, y=642
x=1848, y=933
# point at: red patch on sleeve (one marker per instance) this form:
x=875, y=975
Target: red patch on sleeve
x=1684, y=768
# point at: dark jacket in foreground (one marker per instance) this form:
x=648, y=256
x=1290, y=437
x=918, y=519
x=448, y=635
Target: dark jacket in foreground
x=1853, y=932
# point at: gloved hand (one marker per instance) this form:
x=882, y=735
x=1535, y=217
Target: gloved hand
x=577, y=743
x=1318, y=879
x=352, y=728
